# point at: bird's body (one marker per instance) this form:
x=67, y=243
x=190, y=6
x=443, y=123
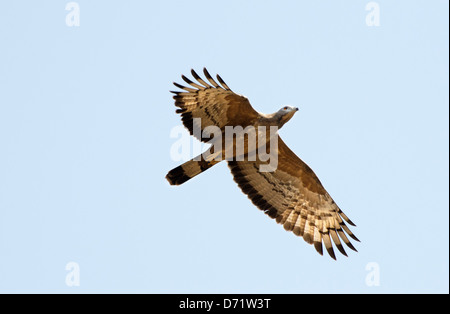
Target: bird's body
x=273, y=177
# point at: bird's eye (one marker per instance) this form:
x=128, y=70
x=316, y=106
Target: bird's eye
x=285, y=108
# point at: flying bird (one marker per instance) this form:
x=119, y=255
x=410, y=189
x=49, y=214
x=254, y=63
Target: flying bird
x=291, y=193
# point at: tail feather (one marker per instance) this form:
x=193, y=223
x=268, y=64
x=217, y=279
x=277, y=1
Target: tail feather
x=188, y=170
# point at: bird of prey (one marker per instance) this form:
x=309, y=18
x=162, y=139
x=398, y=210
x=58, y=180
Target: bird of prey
x=291, y=193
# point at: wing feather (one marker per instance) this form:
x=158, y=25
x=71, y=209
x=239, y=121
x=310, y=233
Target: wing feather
x=192, y=83
x=184, y=87
x=328, y=246
x=296, y=199
x=203, y=105
x=210, y=79
x=318, y=241
x=223, y=82
x=199, y=79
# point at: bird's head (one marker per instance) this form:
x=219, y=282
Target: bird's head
x=285, y=114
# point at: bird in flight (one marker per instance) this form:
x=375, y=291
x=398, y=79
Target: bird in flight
x=289, y=192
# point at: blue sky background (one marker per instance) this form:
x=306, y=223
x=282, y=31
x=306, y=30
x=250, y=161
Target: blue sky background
x=85, y=119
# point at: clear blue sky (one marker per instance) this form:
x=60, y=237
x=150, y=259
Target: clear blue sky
x=85, y=122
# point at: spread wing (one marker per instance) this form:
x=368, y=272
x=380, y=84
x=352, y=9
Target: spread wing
x=295, y=198
x=214, y=104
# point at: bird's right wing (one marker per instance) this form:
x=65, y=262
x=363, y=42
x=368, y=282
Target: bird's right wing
x=216, y=105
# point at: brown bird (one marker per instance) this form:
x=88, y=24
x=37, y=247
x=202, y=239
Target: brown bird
x=290, y=193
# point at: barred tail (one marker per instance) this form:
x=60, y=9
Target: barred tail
x=188, y=170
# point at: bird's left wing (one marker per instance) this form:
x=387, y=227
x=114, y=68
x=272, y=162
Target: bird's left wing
x=295, y=198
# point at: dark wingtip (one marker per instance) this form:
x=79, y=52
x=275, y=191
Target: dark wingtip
x=318, y=247
x=354, y=237
x=194, y=74
x=221, y=81
x=331, y=252
x=341, y=249
x=178, y=85
x=350, y=245
x=186, y=79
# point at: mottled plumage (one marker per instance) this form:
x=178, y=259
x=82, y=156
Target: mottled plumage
x=292, y=194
